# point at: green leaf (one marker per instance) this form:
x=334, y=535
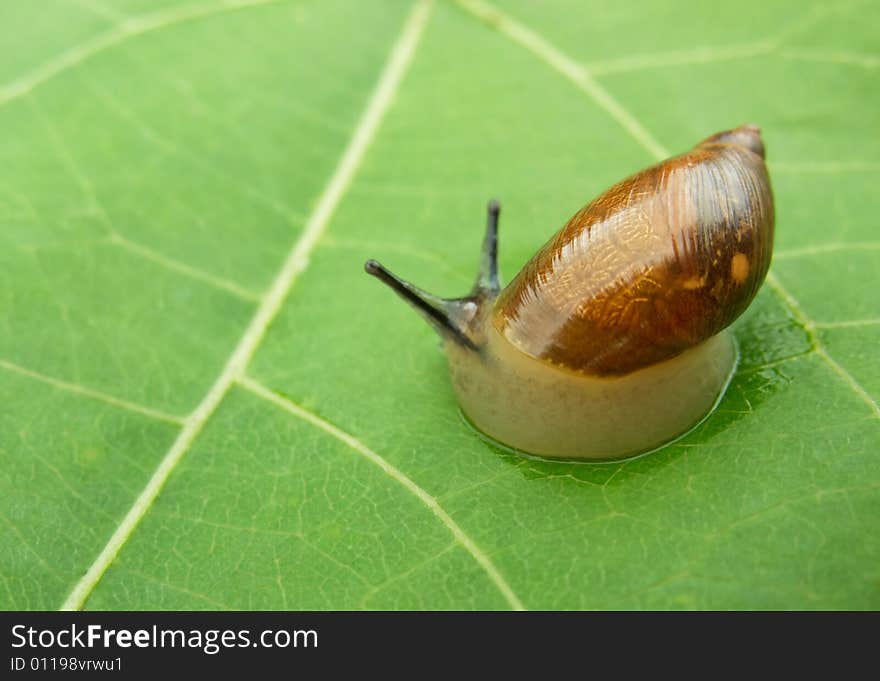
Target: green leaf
x=207, y=404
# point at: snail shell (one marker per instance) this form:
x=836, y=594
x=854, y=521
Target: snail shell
x=610, y=341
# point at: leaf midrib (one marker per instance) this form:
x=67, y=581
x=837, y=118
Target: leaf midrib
x=296, y=261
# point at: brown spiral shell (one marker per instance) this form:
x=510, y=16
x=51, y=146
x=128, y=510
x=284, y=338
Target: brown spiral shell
x=658, y=263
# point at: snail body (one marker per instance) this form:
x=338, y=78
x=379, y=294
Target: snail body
x=611, y=340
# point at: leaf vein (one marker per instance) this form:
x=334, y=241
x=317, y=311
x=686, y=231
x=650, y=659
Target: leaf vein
x=295, y=262
x=810, y=327
x=130, y=28
x=115, y=104
x=828, y=248
x=182, y=268
x=85, y=391
x=571, y=69
x=396, y=474
x=848, y=323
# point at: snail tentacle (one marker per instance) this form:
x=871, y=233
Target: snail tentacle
x=487, y=283
x=445, y=315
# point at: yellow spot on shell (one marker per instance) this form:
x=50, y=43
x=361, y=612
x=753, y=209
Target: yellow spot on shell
x=693, y=283
x=739, y=268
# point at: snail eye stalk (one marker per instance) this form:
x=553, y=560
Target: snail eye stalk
x=450, y=316
x=443, y=314
x=487, y=283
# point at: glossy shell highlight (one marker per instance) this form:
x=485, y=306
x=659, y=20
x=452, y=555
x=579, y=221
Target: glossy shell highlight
x=658, y=263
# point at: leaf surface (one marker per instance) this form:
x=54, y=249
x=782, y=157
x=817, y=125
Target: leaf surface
x=207, y=404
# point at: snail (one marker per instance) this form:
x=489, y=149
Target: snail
x=612, y=340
